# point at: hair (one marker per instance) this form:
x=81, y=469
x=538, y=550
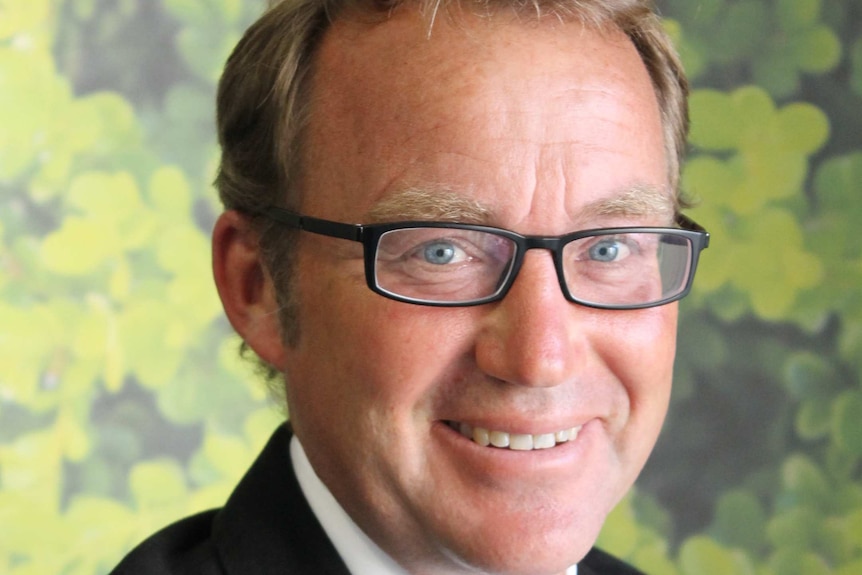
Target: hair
x=262, y=103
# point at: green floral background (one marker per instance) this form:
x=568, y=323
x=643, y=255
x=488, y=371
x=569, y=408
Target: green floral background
x=124, y=405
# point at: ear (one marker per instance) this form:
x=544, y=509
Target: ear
x=245, y=288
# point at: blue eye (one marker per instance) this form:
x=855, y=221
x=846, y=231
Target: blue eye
x=439, y=253
x=608, y=251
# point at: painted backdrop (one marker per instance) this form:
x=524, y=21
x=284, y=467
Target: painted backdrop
x=123, y=404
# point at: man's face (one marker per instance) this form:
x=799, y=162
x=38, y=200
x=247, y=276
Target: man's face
x=550, y=128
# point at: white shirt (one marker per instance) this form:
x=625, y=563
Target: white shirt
x=361, y=555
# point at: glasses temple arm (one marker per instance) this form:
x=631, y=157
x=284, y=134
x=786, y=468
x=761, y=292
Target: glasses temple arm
x=315, y=225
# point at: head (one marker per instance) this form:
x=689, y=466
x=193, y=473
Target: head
x=544, y=120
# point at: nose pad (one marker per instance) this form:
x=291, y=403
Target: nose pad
x=529, y=337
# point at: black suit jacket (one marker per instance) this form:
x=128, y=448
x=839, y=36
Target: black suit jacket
x=267, y=528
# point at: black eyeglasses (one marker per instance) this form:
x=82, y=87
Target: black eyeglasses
x=451, y=264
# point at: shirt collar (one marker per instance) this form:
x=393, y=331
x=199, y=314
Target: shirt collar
x=359, y=553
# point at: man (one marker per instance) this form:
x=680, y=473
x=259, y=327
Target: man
x=471, y=386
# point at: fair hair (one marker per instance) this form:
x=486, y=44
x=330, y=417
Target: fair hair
x=263, y=99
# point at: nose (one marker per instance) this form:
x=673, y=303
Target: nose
x=530, y=337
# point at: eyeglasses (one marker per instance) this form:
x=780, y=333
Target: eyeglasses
x=451, y=264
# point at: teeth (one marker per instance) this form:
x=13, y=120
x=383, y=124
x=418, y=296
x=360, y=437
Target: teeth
x=515, y=441
x=544, y=441
x=480, y=436
x=520, y=442
x=499, y=439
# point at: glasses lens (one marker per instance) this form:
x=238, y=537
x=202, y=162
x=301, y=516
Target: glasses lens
x=442, y=264
x=627, y=268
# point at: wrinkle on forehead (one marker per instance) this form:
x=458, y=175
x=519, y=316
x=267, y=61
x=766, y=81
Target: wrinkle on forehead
x=485, y=128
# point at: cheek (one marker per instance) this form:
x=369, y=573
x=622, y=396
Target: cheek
x=411, y=354
x=647, y=344
x=388, y=353
x=641, y=355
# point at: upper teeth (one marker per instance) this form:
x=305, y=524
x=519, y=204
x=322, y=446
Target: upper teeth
x=516, y=441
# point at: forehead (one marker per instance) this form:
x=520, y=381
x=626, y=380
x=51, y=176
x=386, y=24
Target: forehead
x=491, y=109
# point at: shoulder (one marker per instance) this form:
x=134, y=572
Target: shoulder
x=184, y=547
x=598, y=562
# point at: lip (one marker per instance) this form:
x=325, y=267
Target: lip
x=565, y=458
x=519, y=428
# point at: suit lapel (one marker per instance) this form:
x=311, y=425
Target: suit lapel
x=267, y=527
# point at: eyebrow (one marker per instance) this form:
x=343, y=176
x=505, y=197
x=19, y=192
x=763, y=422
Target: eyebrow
x=434, y=202
x=637, y=201
x=440, y=203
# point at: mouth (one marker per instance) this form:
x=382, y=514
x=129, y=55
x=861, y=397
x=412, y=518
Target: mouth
x=514, y=441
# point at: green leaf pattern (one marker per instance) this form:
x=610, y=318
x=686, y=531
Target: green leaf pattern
x=124, y=404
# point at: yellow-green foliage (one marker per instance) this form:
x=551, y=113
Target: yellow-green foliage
x=124, y=405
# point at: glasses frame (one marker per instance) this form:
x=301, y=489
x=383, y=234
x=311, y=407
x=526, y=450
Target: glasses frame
x=369, y=236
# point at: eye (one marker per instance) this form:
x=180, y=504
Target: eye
x=609, y=250
x=441, y=253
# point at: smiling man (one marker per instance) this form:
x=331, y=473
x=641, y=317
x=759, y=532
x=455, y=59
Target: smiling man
x=454, y=231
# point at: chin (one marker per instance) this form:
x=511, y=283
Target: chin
x=529, y=557
x=535, y=542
